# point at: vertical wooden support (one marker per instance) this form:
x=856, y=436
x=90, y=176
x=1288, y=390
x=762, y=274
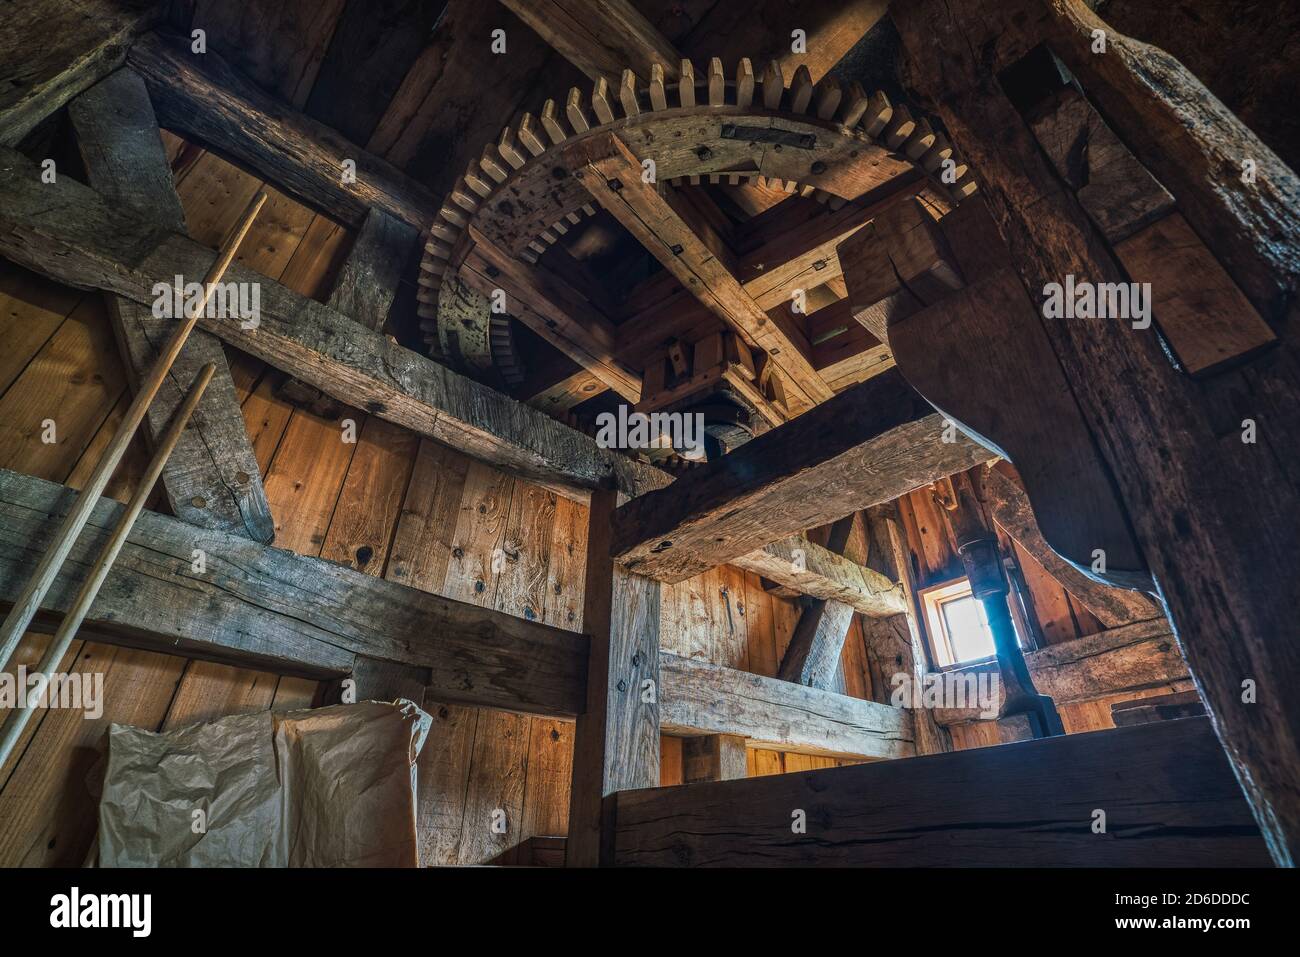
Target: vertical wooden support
x=714, y=757
x=813, y=655
x=616, y=742
x=896, y=641
x=1213, y=513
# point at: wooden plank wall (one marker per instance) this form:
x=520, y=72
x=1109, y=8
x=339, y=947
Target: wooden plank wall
x=390, y=504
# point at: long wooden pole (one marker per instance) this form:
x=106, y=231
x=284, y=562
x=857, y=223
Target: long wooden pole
x=29, y=602
x=13, y=729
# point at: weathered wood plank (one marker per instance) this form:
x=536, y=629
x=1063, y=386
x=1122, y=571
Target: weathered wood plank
x=367, y=284
x=1168, y=793
x=371, y=49
x=52, y=50
x=271, y=609
x=704, y=698
x=1096, y=667
x=211, y=478
x=602, y=38
x=205, y=99
x=67, y=232
x=813, y=656
x=616, y=737
x=817, y=643
x=713, y=757
x=812, y=570
x=869, y=444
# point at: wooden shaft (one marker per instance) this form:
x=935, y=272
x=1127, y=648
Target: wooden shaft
x=13, y=729
x=27, y=604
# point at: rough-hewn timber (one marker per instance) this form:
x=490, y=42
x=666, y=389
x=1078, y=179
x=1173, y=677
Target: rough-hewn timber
x=815, y=571
x=51, y=50
x=869, y=444
x=704, y=698
x=1214, y=516
x=268, y=608
x=1169, y=796
x=616, y=738
x=206, y=100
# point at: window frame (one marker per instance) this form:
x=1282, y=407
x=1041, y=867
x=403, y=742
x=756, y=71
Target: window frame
x=932, y=598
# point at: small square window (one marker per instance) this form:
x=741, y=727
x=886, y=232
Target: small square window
x=956, y=624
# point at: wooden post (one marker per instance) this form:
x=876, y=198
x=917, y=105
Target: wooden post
x=813, y=655
x=714, y=757
x=616, y=742
x=897, y=640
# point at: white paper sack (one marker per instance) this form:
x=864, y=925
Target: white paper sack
x=333, y=787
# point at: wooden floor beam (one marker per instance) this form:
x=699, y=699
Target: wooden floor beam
x=869, y=444
x=1031, y=804
x=703, y=698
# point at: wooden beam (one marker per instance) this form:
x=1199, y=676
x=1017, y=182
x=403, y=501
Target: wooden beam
x=552, y=309
x=51, y=50
x=714, y=757
x=375, y=680
x=207, y=101
x=799, y=251
x=602, y=38
x=791, y=245
x=693, y=254
x=813, y=655
x=1231, y=578
x=1135, y=656
x=1162, y=707
x=703, y=698
x=813, y=570
x=267, y=608
x=894, y=645
x=65, y=231
x=869, y=444
x=212, y=478
x=1030, y=804
x=616, y=739
x=562, y=395
x=1009, y=506
x=382, y=253
x=1126, y=659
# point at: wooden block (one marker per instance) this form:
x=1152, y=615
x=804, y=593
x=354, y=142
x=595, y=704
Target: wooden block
x=1208, y=321
x=1114, y=189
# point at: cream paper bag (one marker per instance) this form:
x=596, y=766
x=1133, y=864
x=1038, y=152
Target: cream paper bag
x=330, y=787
